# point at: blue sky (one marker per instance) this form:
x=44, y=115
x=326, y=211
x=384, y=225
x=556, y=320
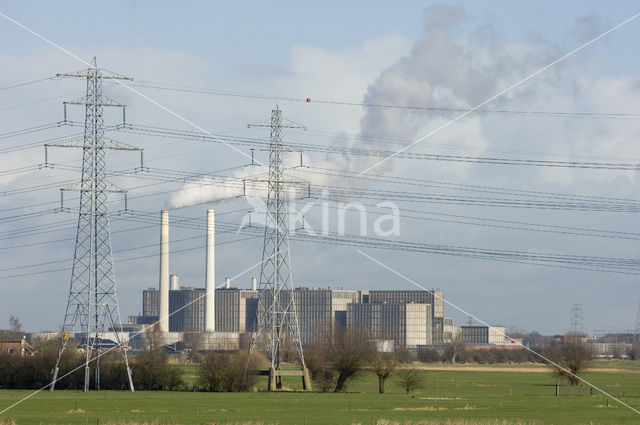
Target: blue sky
x=353, y=51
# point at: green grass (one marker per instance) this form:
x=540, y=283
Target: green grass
x=450, y=395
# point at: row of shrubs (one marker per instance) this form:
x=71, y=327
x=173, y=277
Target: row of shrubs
x=150, y=371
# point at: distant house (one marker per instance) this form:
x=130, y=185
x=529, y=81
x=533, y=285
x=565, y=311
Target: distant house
x=15, y=346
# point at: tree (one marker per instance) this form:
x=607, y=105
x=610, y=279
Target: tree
x=193, y=341
x=45, y=345
x=383, y=364
x=411, y=380
x=455, y=348
x=337, y=359
x=318, y=360
x=571, y=358
x=227, y=372
x=153, y=338
x=634, y=352
x=349, y=355
x=151, y=369
x=14, y=324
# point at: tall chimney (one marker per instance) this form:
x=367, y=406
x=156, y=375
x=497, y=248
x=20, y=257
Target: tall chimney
x=227, y=283
x=164, y=271
x=254, y=284
x=173, y=282
x=210, y=276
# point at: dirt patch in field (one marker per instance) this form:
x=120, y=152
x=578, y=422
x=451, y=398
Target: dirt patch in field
x=75, y=411
x=517, y=369
x=420, y=409
x=612, y=370
x=440, y=398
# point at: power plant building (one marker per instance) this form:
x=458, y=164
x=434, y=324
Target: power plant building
x=186, y=310
x=320, y=310
x=482, y=335
x=236, y=310
x=151, y=302
x=408, y=318
x=407, y=325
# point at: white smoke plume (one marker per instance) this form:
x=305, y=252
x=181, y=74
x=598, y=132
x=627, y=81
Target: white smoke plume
x=249, y=183
x=210, y=189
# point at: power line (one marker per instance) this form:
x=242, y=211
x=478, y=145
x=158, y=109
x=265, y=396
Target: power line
x=456, y=186
x=578, y=262
x=345, y=150
x=216, y=92
x=506, y=224
x=13, y=86
x=123, y=260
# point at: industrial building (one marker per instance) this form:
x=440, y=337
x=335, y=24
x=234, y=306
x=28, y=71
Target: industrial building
x=407, y=325
x=403, y=318
x=483, y=335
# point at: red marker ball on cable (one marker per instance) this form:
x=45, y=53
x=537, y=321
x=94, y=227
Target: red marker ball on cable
x=308, y=100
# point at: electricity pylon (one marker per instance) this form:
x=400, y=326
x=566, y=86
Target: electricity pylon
x=637, y=327
x=93, y=303
x=576, y=319
x=277, y=316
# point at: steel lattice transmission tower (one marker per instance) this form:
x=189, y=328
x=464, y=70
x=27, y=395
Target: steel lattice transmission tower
x=576, y=319
x=637, y=327
x=277, y=316
x=93, y=303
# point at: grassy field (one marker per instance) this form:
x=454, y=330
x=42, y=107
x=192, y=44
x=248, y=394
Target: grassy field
x=452, y=394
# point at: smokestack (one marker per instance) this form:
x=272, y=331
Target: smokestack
x=173, y=282
x=227, y=282
x=210, y=276
x=164, y=271
x=254, y=284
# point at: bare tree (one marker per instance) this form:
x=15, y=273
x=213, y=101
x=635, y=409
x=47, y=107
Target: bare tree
x=350, y=353
x=634, y=352
x=383, y=364
x=454, y=348
x=572, y=358
x=193, y=341
x=14, y=324
x=318, y=360
x=154, y=338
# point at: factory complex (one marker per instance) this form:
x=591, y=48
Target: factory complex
x=224, y=317
x=227, y=316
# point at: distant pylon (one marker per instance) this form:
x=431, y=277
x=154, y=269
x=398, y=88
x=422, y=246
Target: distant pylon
x=637, y=328
x=576, y=319
x=93, y=303
x=277, y=316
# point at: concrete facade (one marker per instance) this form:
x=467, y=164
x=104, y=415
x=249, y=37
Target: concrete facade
x=408, y=325
x=320, y=310
x=434, y=297
x=483, y=335
x=236, y=310
x=151, y=302
x=186, y=310
x=389, y=315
